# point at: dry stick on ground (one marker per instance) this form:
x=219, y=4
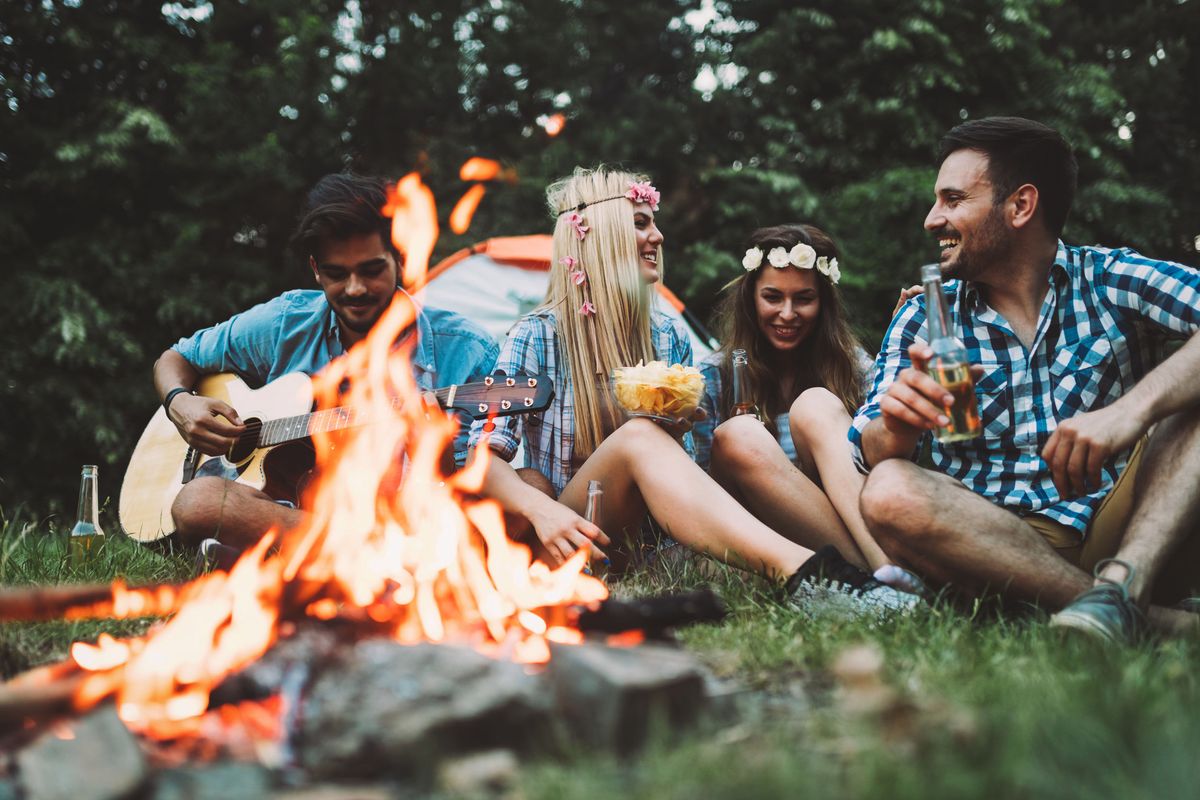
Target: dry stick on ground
x=92, y=601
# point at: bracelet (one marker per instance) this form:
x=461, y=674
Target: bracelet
x=166, y=403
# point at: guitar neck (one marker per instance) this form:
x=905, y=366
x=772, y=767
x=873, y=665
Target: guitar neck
x=289, y=429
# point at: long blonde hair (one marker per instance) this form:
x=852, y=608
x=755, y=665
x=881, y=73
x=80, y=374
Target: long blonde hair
x=827, y=358
x=618, y=334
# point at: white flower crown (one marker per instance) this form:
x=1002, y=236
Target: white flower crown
x=802, y=256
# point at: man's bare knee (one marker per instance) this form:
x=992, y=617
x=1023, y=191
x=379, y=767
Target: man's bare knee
x=197, y=508
x=895, y=501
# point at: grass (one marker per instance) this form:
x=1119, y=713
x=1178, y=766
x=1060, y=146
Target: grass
x=36, y=552
x=944, y=704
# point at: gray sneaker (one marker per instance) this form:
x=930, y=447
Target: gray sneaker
x=828, y=582
x=1105, y=611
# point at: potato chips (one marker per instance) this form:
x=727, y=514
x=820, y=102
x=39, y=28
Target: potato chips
x=655, y=388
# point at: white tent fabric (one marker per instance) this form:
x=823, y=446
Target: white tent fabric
x=495, y=295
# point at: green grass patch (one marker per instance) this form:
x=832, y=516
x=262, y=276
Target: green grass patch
x=961, y=705
x=36, y=552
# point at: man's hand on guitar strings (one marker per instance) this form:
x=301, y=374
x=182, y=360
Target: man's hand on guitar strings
x=210, y=425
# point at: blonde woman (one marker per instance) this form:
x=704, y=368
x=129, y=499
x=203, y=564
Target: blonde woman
x=598, y=316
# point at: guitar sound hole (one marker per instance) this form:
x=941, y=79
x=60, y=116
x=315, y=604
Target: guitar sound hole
x=244, y=447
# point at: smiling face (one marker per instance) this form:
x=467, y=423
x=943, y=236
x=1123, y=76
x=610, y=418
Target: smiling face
x=358, y=275
x=787, y=304
x=649, y=241
x=969, y=226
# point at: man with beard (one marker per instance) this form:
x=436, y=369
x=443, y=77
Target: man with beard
x=346, y=242
x=1090, y=442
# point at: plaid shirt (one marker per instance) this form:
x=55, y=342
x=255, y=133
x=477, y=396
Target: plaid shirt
x=532, y=348
x=1099, y=332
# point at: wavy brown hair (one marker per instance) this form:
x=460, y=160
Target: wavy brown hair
x=828, y=357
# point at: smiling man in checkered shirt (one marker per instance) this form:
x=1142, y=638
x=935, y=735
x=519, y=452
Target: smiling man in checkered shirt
x=1090, y=447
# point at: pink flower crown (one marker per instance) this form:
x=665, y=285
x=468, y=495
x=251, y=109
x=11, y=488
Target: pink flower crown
x=639, y=192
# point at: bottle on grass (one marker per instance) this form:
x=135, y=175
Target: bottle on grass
x=86, y=534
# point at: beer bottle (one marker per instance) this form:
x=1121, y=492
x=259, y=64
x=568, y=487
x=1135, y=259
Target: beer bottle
x=87, y=519
x=742, y=403
x=949, y=365
x=591, y=512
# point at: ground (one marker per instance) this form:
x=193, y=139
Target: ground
x=947, y=703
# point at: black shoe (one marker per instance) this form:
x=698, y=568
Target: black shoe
x=829, y=580
x=212, y=555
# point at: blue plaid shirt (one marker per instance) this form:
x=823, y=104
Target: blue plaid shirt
x=1099, y=332
x=532, y=348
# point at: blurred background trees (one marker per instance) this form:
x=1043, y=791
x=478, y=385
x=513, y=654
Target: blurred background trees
x=153, y=156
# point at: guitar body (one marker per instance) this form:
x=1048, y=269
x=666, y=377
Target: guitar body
x=275, y=454
x=156, y=469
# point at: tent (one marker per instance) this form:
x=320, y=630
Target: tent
x=497, y=280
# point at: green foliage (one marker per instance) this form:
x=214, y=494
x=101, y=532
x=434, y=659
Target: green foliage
x=153, y=157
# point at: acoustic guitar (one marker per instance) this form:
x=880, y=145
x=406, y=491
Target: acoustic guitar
x=275, y=452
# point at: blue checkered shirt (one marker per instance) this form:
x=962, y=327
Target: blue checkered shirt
x=532, y=348
x=1100, y=330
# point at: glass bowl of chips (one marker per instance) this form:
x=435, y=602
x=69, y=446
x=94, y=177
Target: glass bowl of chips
x=656, y=390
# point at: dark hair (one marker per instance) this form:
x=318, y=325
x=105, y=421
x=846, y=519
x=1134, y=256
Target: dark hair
x=828, y=357
x=341, y=206
x=1021, y=151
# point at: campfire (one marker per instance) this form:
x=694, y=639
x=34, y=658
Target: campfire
x=393, y=550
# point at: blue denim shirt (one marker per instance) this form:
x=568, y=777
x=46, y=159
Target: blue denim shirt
x=298, y=332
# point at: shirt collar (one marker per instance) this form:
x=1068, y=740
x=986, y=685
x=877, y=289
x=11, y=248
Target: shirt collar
x=422, y=353
x=970, y=295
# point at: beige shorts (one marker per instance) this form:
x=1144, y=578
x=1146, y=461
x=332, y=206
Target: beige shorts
x=1107, y=529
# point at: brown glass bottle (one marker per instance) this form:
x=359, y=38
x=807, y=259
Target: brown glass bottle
x=742, y=404
x=949, y=366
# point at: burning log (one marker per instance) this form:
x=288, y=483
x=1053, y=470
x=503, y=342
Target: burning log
x=652, y=615
x=93, y=601
x=38, y=701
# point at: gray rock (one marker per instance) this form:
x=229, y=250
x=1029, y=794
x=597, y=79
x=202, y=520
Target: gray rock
x=480, y=775
x=613, y=697
x=225, y=781
x=336, y=792
x=103, y=760
x=396, y=710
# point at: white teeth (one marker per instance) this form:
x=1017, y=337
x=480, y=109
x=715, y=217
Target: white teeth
x=947, y=242
x=653, y=257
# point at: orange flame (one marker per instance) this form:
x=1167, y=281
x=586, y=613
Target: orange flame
x=414, y=226
x=391, y=542
x=554, y=124
x=464, y=210
x=479, y=169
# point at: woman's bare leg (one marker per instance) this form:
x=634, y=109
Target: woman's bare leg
x=746, y=456
x=819, y=424
x=642, y=468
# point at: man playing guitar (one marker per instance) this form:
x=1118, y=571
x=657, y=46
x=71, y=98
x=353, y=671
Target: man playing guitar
x=346, y=241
